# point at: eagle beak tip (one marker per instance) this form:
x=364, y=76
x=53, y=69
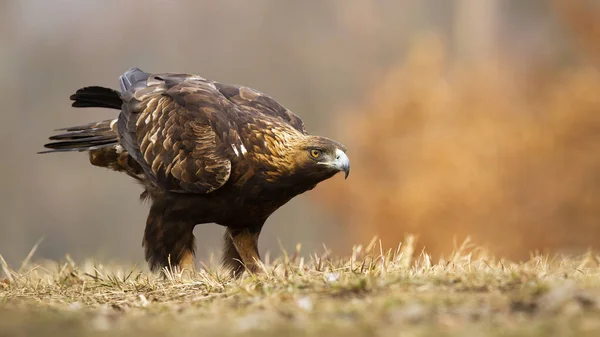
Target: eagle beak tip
x=343, y=163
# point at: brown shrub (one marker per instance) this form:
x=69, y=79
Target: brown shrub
x=445, y=151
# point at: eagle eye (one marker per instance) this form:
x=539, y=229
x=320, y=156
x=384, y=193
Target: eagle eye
x=315, y=153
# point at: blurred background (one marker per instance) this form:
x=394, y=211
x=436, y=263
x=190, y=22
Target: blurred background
x=462, y=118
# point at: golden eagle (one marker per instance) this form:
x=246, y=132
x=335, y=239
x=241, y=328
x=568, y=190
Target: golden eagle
x=205, y=152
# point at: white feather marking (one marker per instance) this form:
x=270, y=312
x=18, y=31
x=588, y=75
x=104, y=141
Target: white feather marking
x=119, y=148
x=235, y=150
x=243, y=149
x=154, y=136
x=148, y=119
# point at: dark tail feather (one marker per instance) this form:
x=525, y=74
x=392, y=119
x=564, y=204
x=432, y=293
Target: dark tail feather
x=97, y=97
x=95, y=135
x=100, y=97
x=87, y=137
x=91, y=136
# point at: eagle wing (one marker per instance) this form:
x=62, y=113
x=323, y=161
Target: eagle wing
x=252, y=99
x=185, y=130
x=168, y=124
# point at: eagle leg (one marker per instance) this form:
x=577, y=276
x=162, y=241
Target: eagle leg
x=168, y=240
x=240, y=250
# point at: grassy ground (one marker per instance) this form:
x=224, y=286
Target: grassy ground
x=371, y=292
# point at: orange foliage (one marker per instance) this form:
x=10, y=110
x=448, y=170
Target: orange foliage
x=448, y=151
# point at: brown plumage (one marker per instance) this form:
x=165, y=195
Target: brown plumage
x=205, y=152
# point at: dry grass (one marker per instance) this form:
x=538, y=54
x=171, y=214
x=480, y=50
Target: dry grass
x=372, y=292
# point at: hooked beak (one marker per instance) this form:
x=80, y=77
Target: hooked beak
x=342, y=162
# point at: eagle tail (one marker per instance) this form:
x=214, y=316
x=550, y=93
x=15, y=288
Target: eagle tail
x=91, y=136
x=87, y=137
x=97, y=97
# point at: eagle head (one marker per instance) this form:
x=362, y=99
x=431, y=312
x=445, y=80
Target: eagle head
x=319, y=158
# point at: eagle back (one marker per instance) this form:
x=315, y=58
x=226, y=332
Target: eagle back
x=188, y=132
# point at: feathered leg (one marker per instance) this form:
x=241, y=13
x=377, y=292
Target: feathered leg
x=168, y=240
x=241, y=249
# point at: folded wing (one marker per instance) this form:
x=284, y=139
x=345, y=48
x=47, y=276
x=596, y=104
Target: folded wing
x=185, y=130
x=170, y=136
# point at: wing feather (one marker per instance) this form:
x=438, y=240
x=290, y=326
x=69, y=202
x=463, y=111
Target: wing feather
x=172, y=139
x=260, y=103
